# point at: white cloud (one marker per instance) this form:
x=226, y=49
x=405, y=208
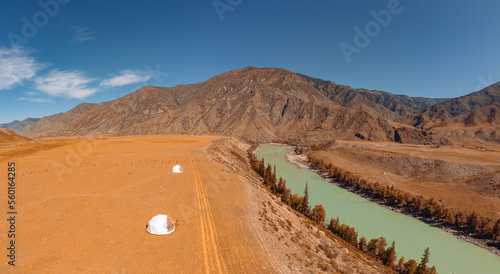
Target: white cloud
x=82, y=34
x=36, y=100
x=16, y=66
x=69, y=84
x=126, y=77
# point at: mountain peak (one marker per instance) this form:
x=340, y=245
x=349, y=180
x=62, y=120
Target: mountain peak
x=266, y=104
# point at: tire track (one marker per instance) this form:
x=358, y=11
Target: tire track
x=213, y=259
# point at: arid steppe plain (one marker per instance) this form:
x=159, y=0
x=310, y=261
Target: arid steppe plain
x=83, y=205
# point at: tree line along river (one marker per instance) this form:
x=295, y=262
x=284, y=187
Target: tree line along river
x=447, y=253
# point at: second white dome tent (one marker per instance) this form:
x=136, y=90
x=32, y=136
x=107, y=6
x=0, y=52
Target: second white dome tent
x=177, y=169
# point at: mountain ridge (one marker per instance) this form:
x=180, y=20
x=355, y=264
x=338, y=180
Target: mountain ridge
x=267, y=104
x=19, y=126
x=396, y=107
x=475, y=115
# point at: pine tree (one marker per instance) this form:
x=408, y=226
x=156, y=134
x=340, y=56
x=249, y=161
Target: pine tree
x=262, y=168
x=268, y=175
x=274, y=181
x=401, y=264
x=281, y=185
x=389, y=256
x=383, y=244
x=373, y=245
x=287, y=194
x=410, y=267
x=306, y=208
x=422, y=267
x=334, y=225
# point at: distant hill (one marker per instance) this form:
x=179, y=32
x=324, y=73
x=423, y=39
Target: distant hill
x=257, y=104
x=399, y=108
x=57, y=121
x=9, y=138
x=476, y=115
x=19, y=126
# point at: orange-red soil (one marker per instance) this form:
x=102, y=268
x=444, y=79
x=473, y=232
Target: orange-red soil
x=10, y=138
x=83, y=205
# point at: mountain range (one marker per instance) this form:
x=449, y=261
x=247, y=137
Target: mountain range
x=19, y=126
x=272, y=104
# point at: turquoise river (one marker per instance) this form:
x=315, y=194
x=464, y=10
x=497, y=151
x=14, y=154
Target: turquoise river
x=447, y=253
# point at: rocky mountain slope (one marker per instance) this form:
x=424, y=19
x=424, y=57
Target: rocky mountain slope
x=390, y=106
x=19, y=126
x=476, y=115
x=57, y=121
x=257, y=104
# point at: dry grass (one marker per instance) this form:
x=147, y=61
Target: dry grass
x=441, y=173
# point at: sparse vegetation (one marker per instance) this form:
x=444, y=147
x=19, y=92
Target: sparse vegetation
x=433, y=211
x=376, y=246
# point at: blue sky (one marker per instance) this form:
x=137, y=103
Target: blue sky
x=52, y=58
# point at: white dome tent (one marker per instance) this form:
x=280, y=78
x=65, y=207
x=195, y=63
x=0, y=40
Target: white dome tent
x=177, y=169
x=160, y=225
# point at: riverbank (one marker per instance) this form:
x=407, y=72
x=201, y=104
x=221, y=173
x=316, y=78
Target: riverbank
x=302, y=161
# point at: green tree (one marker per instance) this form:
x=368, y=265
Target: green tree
x=306, y=209
x=422, y=267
